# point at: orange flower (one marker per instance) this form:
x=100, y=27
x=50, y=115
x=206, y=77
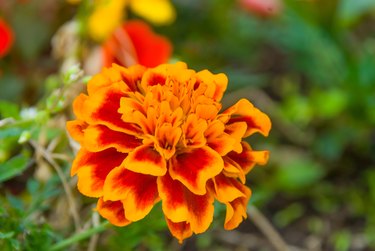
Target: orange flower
x=6, y=38
x=135, y=42
x=156, y=134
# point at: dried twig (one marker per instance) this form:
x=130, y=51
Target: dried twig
x=291, y=131
x=72, y=205
x=94, y=239
x=267, y=229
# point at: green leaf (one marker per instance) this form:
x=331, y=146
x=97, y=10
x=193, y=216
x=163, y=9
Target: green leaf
x=289, y=214
x=6, y=133
x=351, y=10
x=8, y=109
x=13, y=167
x=330, y=103
x=298, y=173
x=6, y=235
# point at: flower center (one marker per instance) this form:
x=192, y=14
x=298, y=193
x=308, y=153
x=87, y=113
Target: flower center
x=172, y=114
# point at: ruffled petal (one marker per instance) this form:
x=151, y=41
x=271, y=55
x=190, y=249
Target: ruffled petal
x=216, y=84
x=146, y=160
x=233, y=170
x=180, y=205
x=108, y=77
x=78, y=105
x=244, y=111
x=76, y=129
x=222, y=144
x=93, y=168
x=113, y=211
x=102, y=108
x=194, y=168
x=193, y=131
x=236, y=131
x=138, y=192
x=236, y=209
x=180, y=230
x=226, y=188
x=248, y=158
x=99, y=137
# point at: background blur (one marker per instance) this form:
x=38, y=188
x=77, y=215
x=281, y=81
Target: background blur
x=308, y=64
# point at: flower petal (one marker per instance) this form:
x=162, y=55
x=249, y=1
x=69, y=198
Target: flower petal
x=78, y=104
x=222, y=144
x=244, y=111
x=216, y=84
x=194, y=168
x=106, y=78
x=158, y=12
x=6, y=38
x=180, y=205
x=93, y=168
x=146, y=160
x=151, y=48
x=233, y=169
x=180, y=230
x=167, y=137
x=248, y=158
x=99, y=137
x=102, y=108
x=193, y=131
x=225, y=188
x=104, y=19
x=113, y=211
x=236, y=209
x=237, y=131
x=76, y=129
x=138, y=192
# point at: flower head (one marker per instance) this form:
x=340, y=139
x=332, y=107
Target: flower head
x=135, y=42
x=6, y=38
x=157, y=134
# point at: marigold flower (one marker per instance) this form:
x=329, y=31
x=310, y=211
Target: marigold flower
x=6, y=38
x=157, y=134
x=135, y=42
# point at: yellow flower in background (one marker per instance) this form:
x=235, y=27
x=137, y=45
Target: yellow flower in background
x=105, y=18
x=156, y=11
x=108, y=14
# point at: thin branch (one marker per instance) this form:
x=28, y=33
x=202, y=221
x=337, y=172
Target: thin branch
x=291, y=131
x=80, y=236
x=72, y=206
x=267, y=229
x=94, y=238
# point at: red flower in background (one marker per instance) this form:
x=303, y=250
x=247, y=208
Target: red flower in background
x=136, y=43
x=264, y=8
x=6, y=38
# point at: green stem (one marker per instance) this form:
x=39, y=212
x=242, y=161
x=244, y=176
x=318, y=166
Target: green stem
x=80, y=236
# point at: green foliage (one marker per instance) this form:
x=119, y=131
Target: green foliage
x=148, y=233
x=13, y=167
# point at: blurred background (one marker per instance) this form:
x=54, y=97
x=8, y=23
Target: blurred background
x=308, y=64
